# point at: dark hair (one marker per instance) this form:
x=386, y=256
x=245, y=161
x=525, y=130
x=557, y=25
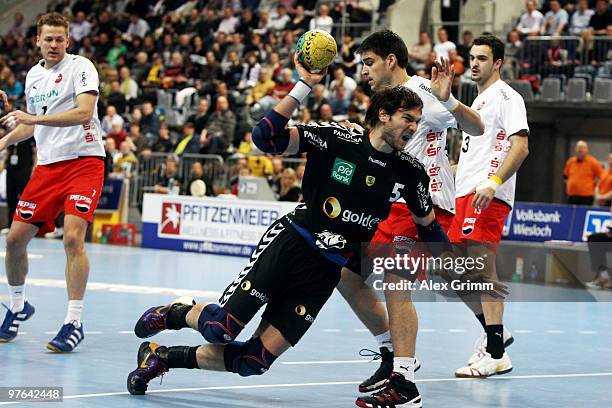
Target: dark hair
x=497, y=47
x=383, y=43
x=52, y=19
x=390, y=99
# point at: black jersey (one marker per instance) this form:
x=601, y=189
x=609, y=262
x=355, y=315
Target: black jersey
x=349, y=186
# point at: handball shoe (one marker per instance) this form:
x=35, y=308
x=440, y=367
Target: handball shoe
x=486, y=367
x=381, y=376
x=480, y=346
x=150, y=366
x=399, y=392
x=10, y=325
x=154, y=320
x=67, y=338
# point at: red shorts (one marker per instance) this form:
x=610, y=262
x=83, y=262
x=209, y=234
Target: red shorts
x=485, y=226
x=73, y=186
x=400, y=224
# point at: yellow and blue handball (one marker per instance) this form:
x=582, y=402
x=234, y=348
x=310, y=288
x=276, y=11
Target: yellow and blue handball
x=317, y=50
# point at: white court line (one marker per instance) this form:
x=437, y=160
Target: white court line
x=522, y=331
x=361, y=330
x=122, y=288
x=94, y=332
x=126, y=332
x=331, y=330
x=30, y=256
x=328, y=362
x=456, y=330
x=427, y=330
x=315, y=384
x=555, y=331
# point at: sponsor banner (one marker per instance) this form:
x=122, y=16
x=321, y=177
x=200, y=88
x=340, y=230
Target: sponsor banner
x=111, y=192
x=545, y=222
x=210, y=225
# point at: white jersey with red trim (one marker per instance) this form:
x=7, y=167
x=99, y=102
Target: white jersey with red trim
x=54, y=90
x=503, y=112
x=428, y=144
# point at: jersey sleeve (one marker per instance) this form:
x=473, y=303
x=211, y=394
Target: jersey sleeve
x=85, y=77
x=314, y=138
x=446, y=119
x=514, y=115
x=416, y=192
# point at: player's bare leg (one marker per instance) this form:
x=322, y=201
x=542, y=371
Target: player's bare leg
x=16, y=262
x=77, y=272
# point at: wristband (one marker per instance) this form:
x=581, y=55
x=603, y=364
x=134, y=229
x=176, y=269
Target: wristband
x=451, y=104
x=496, y=179
x=300, y=91
x=488, y=183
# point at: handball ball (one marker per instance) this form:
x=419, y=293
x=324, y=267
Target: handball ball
x=317, y=50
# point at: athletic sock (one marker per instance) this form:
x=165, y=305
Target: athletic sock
x=495, y=340
x=405, y=367
x=384, y=340
x=75, y=308
x=17, y=298
x=482, y=320
x=179, y=356
x=177, y=316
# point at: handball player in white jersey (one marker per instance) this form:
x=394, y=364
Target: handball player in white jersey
x=385, y=58
x=485, y=184
x=61, y=94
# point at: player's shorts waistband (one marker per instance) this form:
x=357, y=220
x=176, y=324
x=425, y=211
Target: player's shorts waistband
x=336, y=258
x=68, y=161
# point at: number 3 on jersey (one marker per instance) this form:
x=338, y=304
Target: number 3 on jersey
x=396, y=193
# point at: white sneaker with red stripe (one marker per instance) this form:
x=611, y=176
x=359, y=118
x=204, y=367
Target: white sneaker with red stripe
x=486, y=367
x=480, y=347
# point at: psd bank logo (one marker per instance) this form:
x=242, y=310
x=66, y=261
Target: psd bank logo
x=171, y=219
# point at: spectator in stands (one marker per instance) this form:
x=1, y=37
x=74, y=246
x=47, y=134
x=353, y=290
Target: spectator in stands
x=248, y=21
x=290, y=188
x=315, y=100
x=126, y=162
x=229, y=22
x=116, y=51
x=189, y=142
x=340, y=78
x=279, y=91
x=80, y=28
x=601, y=19
x=555, y=20
x=117, y=133
x=156, y=72
x=219, y=133
x=532, y=21
x=418, y=54
x=175, y=75
x=116, y=97
x=279, y=19
x=274, y=65
x=323, y=21
x=250, y=71
x=200, y=118
x=348, y=54
x=339, y=102
x=243, y=171
x=599, y=246
x=246, y=147
x=138, y=142
x=443, y=46
x=580, y=174
x=19, y=27
x=164, y=143
x=12, y=87
x=603, y=197
x=274, y=179
x=455, y=60
x=305, y=117
x=111, y=151
x=138, y=27
x=197, y=173
x=168, y=180
x=129, y=87
x=232, y=69
x=149, y=121
x=259, y=165
x=300, y=22
x=263, y=87
x=212, y=69
x=510, y=67
x=110, y=118
x=581, y=18
x=463, y=49
x=326, y=114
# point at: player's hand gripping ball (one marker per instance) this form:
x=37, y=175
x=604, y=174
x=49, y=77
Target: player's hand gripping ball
x=316, y=50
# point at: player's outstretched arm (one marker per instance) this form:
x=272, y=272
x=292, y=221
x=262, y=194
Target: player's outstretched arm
x=271, y=134
x=442, y=75
x=20, y=133
x=519, y=150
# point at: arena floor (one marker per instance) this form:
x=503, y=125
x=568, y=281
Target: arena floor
x=562, y=355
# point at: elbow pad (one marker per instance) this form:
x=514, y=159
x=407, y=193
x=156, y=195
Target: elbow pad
x=271, y=135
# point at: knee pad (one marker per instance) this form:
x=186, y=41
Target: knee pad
x=249, y=358
x=217, y=326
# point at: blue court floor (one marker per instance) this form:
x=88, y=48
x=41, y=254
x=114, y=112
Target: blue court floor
x=562, y=355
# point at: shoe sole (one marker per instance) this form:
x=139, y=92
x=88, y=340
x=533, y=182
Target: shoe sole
x=409, y=404
x=381, y=384
x=483, y=376
x=56, y=350
x=15, y=336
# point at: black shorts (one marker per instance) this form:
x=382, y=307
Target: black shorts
x=288, y=275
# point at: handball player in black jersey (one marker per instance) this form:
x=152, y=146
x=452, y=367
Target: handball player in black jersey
x=351, y=180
